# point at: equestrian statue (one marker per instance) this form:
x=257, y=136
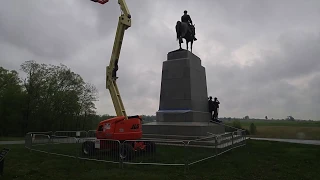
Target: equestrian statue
x=185, y=29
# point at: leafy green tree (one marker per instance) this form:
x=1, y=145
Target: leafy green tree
x=57, y=98
x=50, y=98
x=253, y=129
x=147, y=118
x=11, y=101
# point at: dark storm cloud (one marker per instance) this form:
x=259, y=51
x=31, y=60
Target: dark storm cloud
x=261, y=57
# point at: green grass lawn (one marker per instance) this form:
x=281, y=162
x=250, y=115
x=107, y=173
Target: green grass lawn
x=257, y=160
x=278, y=123
x=287, y=132
x=283, y=129
x=176, y=155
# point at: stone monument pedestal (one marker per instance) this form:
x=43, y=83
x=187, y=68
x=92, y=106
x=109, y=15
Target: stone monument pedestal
x=198, y=129
x=183, y=108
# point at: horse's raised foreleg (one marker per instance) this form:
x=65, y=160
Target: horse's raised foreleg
x=180, y=41
x=187, y=45
x=191, y=45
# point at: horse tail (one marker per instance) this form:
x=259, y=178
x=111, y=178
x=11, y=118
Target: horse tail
x=178, y=27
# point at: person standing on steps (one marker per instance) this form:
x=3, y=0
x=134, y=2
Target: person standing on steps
x=211, y=108
x=216, y=109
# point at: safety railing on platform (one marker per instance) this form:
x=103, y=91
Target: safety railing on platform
x=152, y=149
x=91, y=133
x=212, y=146
x=79, y=134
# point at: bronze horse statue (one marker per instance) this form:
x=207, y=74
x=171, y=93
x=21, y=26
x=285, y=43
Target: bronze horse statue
x=184, y=31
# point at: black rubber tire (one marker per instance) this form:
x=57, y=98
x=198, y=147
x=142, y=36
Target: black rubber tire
x=88, y=148
x=126, y=151
x=150, y=146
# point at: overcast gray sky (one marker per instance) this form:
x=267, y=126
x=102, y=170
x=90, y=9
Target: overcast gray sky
x=261, y=57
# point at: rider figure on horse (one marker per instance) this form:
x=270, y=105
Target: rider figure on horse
x=187, y=19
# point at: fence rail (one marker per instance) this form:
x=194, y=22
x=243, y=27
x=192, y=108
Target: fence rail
x=152, y=149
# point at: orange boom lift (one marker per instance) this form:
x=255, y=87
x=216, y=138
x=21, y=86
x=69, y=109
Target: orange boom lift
x=121, y=127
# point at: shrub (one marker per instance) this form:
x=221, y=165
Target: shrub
x=253, y=129
x=247, y=132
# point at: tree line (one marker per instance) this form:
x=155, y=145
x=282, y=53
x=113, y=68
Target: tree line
x=48, y=98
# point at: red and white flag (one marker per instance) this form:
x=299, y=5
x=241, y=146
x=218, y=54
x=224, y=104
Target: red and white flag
x=100, y=1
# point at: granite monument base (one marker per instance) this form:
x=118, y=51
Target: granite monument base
x=182, y=116
x=198, y=129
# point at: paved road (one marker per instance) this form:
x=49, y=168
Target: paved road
x=299, y=141
x=11, y=142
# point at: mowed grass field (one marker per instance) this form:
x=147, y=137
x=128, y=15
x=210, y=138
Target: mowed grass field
x=257, y=160
x=283, y=129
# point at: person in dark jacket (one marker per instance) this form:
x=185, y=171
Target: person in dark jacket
x=215, y=108
x=211, y=107
x=187, y=19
